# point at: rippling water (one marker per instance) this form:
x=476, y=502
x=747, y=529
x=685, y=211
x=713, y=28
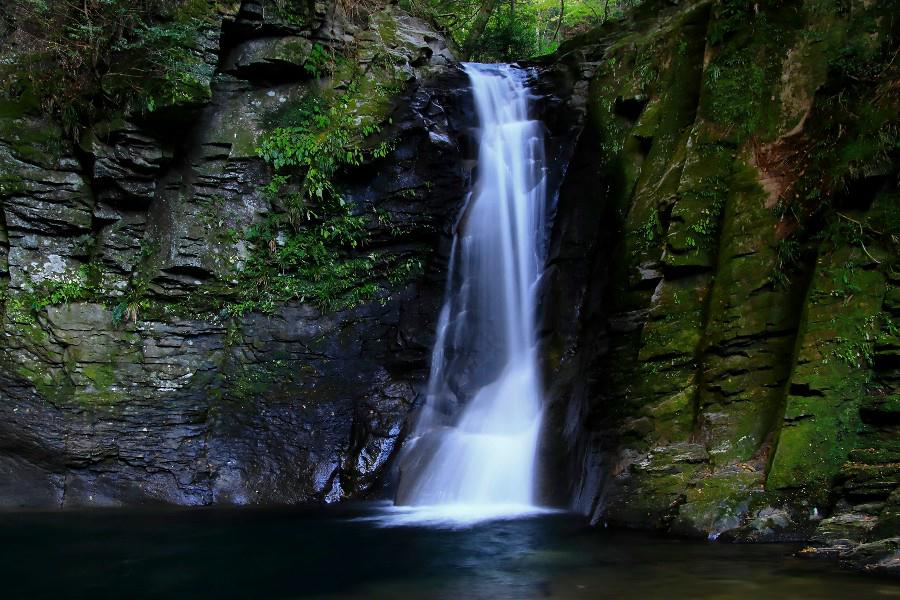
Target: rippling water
x=362, y=552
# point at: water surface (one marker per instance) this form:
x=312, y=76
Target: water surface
x=349, y=552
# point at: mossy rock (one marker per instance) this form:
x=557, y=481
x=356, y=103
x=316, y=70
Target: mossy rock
x=717, y=504
x=821, y=417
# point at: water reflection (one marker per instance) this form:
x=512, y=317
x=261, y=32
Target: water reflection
x=343, y=553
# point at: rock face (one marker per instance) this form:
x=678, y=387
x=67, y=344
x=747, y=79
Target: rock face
x=128, y=373
x=721, y=325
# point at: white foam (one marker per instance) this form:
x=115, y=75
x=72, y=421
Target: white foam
x=453, y=516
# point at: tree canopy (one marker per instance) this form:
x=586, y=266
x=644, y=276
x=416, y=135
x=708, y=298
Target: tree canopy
x=504, y=30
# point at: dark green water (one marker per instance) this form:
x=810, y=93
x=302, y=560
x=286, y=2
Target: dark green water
x=337, y=553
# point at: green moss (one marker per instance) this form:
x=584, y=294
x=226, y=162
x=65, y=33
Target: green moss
x=86, y=284
x=18, y=309
x=854, y=124
x=655, y=485
x=11, y=183
x=718, y=503
x=673, y=414
x=248, y=382
x=233, y=334
x=17, y=108
x=292, y=12
x=788, y=261
x=32, y=140
x=98, y=383
x=740, y=81
x=675, y=335
x=101, y=375
x=810, y=452
x=387, y=28
x=80, y=285
x=702, y=195
x=700, y=200
x=779, y=99
x=876, y=456
x=44, y=382
x=651, y=231
x=747, y=340
x=830, y=381
x=736, y=85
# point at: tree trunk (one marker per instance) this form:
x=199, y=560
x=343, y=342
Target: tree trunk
x=481, y=21
x=562, y=13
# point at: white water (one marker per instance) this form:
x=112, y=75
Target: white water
x=478, y=461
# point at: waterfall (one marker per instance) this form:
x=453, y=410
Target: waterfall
x=474, y=444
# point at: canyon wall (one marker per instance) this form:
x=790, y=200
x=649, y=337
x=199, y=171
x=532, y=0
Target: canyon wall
x=156, y=347
x=721, y=332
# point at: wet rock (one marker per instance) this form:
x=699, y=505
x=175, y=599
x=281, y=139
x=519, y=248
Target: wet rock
x=114, y=400
x=698, y=386
x=767, y=524
x=276, y=57
x=852, y=527
x=882, y=556
x=126, y=164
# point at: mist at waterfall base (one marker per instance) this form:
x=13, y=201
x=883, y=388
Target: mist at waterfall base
x=472, y=452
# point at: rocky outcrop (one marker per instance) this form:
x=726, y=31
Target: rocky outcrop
x=721, y=326
x=129, y=372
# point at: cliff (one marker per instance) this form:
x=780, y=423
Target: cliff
x=729, y=231
x=186, y=320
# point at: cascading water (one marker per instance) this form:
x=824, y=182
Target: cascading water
x=480, y=459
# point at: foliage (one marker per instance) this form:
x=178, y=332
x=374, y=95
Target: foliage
x=80, y=285
x=708, y=194
x=731, y=16
x=128, y=310
x=86, y=283
x=312, y=250
x=77, y=58
x=406, y=270
x=737, y=86
x=651, y=231
x=160, y=65
x=787, y=259
x=319, y=61
x=839, y=232
x=520, y=29
x=740, y=80
x=291, y=12
x=320, y=144
x=249, y=382
x=309, y=265
x=509, y=35
x=858, y=350
x=853, y=134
